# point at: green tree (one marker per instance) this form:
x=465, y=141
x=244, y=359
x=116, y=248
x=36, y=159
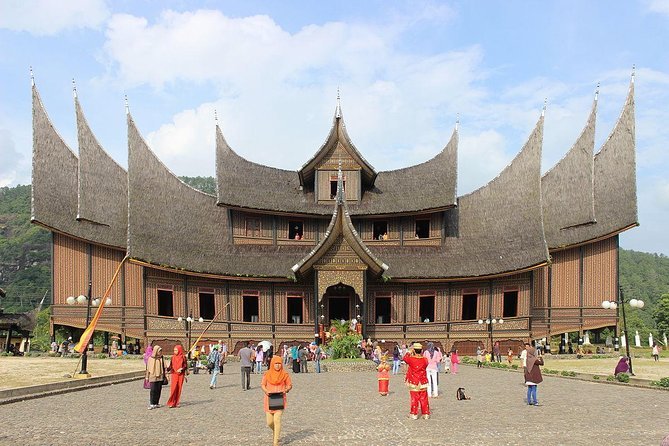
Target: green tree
x=343, y=342
x=661, y=314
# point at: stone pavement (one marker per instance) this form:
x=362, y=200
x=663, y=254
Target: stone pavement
x=346, y=409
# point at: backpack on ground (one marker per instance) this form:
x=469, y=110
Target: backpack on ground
x=460, y=394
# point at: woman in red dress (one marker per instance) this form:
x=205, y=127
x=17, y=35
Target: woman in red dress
x=383, y=376
x=179, y=370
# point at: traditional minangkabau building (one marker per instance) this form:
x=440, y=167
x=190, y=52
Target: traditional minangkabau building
x=277, y=254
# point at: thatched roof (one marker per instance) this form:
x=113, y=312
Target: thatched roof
x=424, y=187
x=55, y=184
x=500, y=227
x=503, y=227
x=614, y=186
x=103, y=186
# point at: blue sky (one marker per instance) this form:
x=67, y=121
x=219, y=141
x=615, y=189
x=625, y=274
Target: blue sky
x=406, y=70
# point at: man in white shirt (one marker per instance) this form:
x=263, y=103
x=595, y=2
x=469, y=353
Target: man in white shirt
x=523, y=355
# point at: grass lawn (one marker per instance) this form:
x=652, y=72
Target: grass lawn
x=644, y=368
x=17, y=371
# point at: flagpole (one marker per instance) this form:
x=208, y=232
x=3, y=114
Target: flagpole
x=192, y=348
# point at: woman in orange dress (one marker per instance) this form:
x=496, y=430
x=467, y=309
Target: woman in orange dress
x=179, y=369
x=275, y=380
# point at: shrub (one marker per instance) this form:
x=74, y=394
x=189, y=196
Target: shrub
x=623, y=377
x=595, y=377
x=664, y=382
x=567, y=373
x=610, y=378
x=551, y=371
x=514, y=366
x=101, y=356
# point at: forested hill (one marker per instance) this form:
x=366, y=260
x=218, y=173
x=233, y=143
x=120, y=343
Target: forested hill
x=25, y=259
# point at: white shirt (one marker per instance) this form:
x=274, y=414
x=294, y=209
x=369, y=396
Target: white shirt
x=523, y=357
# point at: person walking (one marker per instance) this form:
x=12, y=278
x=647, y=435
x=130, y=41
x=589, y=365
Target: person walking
x=656, y=352
x=246, y=363
x=509, y=356
x=260, y=357
x=455, y=360
x=479, y=357
x=303, y=353
x=396, y=359
x=148, y=352
x=214, y=359
x=532, y=375
x=497, y=352
x=155, y=374
x=317, y=358
x=433, y=357
x=416, y=380
x=274, y=381
x=178, y=371
x=295, y=356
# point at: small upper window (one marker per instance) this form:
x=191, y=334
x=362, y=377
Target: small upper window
x=333, y=187
x=253, y=227
x=295, y=230
x=422, y=228
x=380, y=230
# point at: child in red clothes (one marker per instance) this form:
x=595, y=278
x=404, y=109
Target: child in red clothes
x=383, y=377
x=416, y=380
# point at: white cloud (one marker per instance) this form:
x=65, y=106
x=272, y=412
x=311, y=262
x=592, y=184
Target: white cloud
x=659, y=6
x=48, y=17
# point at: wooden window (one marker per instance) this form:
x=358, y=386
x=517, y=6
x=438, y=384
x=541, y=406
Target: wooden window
x=333, y=187
x=510, y=304
x=295, y=306
x=207, y=305
x=250, y=308
x=426, y=308
x=469, y=305
x=253, y=227
x=380, y=230
x=165, y=303
x=295, y=229
x=382, y=310
x=422, y=228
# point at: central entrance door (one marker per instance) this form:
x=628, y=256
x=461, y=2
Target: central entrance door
x=340, y=301
x=340, y=308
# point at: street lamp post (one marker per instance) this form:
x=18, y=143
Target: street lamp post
x=634, y=303
x=88, y=301
x=489, y=324
x=189, y=328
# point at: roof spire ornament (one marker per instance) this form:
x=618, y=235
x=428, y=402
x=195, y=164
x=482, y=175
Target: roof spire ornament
x=216, y=116
x=74, y=89
x=338, y=111
x=457, y=121
x=543, y=110
x=32, y=77
x=633, y=71
x=127, y=106
x=340, y=184
x=597, y=92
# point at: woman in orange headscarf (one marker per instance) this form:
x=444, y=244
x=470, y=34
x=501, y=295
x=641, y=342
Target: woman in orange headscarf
x=179, y=370
x=275, y=381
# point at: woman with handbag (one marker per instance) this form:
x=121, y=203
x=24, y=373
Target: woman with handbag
x=276, y=384
x=155, y=376
x=532, y=375
x=178, y=370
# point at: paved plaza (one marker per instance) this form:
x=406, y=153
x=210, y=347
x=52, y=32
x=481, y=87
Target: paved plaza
x=345, y=409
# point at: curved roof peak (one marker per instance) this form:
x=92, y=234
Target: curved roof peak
x=338, y=136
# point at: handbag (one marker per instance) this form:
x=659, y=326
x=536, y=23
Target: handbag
x=165, y=381
x=147, y=384
x=275, y=401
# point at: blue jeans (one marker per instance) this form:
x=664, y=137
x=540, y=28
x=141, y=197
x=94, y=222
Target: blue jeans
x=532, y=394
x=258, y=367
x=396, y=366
x=317, y=364
x=214, y=375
